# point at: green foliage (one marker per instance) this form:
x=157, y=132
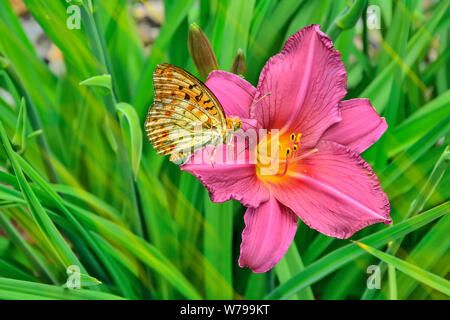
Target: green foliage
x=80, y=185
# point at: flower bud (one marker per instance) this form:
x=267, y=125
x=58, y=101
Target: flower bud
x=239, y=65
x=201, y=51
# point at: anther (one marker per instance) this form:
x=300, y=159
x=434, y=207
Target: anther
x=292, y=136
x=298, y=137
x=288, y=152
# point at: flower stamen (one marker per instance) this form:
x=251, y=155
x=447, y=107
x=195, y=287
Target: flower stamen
x=286, y=163
x=292, y=137
x=307, y=154
x=288, y=152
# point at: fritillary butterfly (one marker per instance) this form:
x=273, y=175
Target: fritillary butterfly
x=185, y=115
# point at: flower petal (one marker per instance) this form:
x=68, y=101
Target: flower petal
x=306, y=80
x=231, y=177
x=234, y=93
x=333, y=191
x=269, y=231
x=360, y=126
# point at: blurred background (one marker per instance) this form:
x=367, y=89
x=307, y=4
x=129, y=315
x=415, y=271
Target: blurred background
x=83, y=196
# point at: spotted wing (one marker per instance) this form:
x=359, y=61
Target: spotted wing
x=185, y=115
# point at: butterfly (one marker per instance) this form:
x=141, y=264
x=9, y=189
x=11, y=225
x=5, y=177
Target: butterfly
x=185, y=115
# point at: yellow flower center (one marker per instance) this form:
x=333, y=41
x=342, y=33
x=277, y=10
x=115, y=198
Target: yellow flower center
x=276, y=153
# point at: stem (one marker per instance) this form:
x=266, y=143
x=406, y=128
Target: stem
x=365, y=35
x=392, y=283
x=39, y=266
x=347, y=19
x=290, y=265
x=416, y=206
x=36, y=125
x=109, y=100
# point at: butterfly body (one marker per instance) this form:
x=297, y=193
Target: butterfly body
x=185, y=115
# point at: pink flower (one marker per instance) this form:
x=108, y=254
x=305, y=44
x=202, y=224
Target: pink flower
x=321, y=178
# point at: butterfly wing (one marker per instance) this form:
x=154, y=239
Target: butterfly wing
x=185, y=114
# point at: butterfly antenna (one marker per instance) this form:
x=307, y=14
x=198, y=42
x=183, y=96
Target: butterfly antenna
x=250, y=124
x=255, y=103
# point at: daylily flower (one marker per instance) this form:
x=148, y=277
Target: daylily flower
x=321, y=178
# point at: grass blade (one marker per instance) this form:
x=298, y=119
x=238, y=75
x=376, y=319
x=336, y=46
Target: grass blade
x=342, y=256
x=17, y=289
x=415, y=272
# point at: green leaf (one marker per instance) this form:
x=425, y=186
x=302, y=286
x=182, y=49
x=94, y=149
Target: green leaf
x=237, y=31
x=266, y=41
x=85, y=281
x=17, y=289
x=11, y=271
x=290, y=265
x=130, y=114
x=413, y=271
x=75, y=225
x=376, y=90
x=217, y=244
x=407, y=158
x=347, y=19
x=56, y=241
x=103, y=81
x=140, y=249
x=392, y=274
x=418, y=204
x=425, y=118
x=428, y=253
x=40, y=268
x=173, y=20
x=340, y=257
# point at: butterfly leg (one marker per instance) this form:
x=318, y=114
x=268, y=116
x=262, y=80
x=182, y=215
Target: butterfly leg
x=212, y=157
x=229, y=141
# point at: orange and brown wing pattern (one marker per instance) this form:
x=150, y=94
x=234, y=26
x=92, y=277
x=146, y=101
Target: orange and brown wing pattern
x=185, y=115
x=171, y=81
